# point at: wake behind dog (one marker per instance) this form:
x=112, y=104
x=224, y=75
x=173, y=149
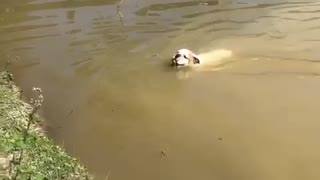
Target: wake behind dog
x=212, y=60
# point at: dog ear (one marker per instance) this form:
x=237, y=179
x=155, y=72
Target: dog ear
x=196, y=59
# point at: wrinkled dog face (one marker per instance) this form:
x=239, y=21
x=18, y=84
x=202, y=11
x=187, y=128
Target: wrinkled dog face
x=184, y=57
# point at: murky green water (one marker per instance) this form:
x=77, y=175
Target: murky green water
x=111, y=100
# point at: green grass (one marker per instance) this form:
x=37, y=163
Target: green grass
x=32, y=154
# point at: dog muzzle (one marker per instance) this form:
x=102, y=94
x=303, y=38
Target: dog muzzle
x=180, y=60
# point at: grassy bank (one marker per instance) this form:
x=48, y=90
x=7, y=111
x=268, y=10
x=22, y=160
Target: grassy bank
x=25, y=152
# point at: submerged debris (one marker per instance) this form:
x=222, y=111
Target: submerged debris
x=163, y=153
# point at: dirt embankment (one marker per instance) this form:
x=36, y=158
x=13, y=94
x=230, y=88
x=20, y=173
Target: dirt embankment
x=25, y=151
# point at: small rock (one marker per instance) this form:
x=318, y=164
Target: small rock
x=4, y=163
x=10, y=157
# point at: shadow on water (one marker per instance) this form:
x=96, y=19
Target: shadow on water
x=112, y=100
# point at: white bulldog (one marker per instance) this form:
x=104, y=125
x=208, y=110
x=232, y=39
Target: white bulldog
x=184, y=57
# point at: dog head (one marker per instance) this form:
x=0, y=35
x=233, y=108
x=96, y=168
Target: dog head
x=184, y=57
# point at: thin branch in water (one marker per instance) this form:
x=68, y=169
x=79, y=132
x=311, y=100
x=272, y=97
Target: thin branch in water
x=119, y=11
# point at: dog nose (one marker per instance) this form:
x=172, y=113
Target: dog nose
x=177, y=56
x=174, y=61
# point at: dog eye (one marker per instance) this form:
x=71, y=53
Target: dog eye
x=185, y=56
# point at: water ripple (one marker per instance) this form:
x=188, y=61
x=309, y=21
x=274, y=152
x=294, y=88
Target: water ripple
x=303, y=12
x=13, y=29
x=27, y=38
x=254, y=7
x=311, y=19
x=163, y=7
x=206, y=24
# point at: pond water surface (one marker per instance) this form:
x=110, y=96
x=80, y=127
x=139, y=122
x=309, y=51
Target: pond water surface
x=112, y=101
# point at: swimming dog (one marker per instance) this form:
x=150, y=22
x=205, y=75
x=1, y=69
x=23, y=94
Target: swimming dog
x=184, y=57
